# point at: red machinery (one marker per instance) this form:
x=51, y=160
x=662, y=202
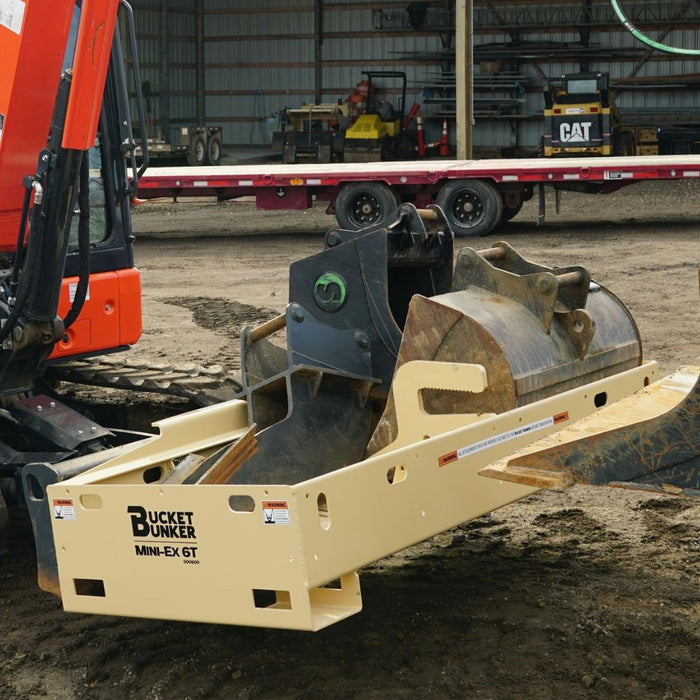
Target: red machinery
x=68, y=285
x=46, y=263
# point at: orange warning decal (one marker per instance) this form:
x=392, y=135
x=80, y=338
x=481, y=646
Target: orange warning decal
x=63, y=509
x=561, y=417
x=446, y=459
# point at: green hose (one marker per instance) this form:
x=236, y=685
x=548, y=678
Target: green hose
x=645, y=39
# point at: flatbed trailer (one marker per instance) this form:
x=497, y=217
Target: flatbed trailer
x=476, y=195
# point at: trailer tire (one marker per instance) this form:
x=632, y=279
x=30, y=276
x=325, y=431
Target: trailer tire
x=362, y=204
x=213, y=156
x=197, y=154
x=471, y=207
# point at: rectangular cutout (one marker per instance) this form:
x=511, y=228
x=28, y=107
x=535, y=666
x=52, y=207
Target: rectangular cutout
x=94, y=587
x=266, y=598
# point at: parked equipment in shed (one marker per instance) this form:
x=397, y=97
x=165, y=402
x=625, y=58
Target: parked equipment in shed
x=376, y=134
x=313, y=133
x=198, y=145
x=581, y=118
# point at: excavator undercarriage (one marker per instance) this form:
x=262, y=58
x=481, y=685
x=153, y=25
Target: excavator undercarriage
x=403, y=392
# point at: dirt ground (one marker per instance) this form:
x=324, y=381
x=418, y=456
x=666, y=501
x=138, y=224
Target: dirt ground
x=590, y=593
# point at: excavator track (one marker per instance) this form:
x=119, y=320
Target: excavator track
x=202, y=385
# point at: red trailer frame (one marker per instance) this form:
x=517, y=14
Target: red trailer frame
x=476, y=195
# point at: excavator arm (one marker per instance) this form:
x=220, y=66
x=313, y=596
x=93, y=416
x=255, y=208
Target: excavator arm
x=30, y=293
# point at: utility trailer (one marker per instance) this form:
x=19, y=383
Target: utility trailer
x=477, y=196
x=198, y=145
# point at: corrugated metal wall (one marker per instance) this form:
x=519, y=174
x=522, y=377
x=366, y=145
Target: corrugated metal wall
x=259, y=57
x=166, y=33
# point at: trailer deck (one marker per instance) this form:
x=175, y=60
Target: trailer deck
x=476, y=195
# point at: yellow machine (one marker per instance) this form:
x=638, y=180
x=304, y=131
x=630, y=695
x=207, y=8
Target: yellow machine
x=581, y=118
x=376, y=134
x=398, y=396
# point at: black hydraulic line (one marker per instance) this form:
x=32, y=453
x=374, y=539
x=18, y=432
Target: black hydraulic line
x=19, y=249
x=29, y=263
x=83, y=244
x=139, y=101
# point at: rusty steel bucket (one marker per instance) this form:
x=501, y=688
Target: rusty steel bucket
x=537, y=331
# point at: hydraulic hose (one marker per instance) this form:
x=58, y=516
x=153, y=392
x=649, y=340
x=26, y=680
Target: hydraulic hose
x=28, y=264
x=19, y=248
x=645, y=39
x=83, y=243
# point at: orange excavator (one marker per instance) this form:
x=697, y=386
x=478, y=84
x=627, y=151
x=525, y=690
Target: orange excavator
x=68, y=285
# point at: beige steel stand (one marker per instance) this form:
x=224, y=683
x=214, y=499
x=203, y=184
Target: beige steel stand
x=286, y=556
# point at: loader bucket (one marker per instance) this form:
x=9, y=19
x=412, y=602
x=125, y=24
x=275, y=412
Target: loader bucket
x=536, y=331
x=649, y=441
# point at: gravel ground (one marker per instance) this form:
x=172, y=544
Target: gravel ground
x=589, y=593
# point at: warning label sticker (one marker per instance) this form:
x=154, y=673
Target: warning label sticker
x=73, y=288
x=276, y=513
x=62, y=509
x=501, y=438
x=12, y=14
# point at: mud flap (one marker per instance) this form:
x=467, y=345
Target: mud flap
x=648, y=441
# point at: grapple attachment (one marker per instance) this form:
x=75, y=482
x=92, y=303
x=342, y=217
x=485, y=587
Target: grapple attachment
x=316, y=393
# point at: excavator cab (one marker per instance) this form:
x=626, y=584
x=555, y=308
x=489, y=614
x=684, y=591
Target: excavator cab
x=69, y=285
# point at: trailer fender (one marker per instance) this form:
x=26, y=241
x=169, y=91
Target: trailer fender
x=472, y=207
x=362, y=204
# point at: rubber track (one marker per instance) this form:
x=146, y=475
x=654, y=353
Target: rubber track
x=203, y=385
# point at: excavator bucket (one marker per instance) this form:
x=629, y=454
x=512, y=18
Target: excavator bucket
x=536, y=331
x=649, y=441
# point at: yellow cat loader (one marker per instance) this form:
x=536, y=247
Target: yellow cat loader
x=581, y=118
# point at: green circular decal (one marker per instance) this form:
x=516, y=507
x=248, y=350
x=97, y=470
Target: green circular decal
x=330, y=291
